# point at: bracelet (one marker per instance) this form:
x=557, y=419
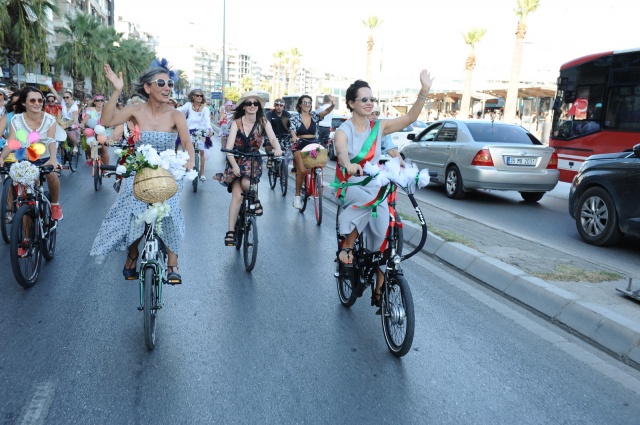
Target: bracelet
x=230, y=154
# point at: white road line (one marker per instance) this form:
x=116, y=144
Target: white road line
x=35, y=413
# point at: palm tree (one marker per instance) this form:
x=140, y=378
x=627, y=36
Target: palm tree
x=22, y=31
x=246, y=84
x=524, y=8
x=471, y=38
x=278, y=57
x=372, y=23
x=294, y=60
x=183, y=83
x=74, y=56
x=133, y=58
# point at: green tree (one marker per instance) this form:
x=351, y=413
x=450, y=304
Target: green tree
x=233, y=93
x=524, y=8
x=471, y=38
x=132, y=57
x=246, y=84
x=293, y=56
x=22, y=31
x=183, y=83
x=372, y=23
x=278, y=74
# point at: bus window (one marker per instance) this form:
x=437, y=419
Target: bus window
x=580, y=113
x=624, y=109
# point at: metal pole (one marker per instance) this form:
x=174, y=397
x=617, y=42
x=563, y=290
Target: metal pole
x=224, y=45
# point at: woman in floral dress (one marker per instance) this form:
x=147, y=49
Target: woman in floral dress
x=246, y=134
x=158, y=124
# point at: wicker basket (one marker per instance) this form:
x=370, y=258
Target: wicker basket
x=152, y=186
x=311, y=162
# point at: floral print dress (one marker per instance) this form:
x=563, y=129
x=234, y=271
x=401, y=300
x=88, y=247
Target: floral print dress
x=245, y=143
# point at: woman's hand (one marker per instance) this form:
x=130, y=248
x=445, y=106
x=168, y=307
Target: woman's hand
x=277, y=152
x=53, y=161
x=354, y=169
x=425, y=79
x=116, y=80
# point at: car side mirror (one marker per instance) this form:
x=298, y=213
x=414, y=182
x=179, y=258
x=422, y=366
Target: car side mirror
x=636, y=150
x=411, y=136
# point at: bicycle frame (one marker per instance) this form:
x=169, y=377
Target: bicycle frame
x=33, y=195
x=152, y=256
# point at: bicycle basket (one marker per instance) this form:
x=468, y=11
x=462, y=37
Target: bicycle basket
x=314, y=155
x=153, y=186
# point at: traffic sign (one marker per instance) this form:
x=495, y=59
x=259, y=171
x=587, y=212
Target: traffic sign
x=216, y=95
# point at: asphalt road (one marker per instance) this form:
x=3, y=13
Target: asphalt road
x=275, y=346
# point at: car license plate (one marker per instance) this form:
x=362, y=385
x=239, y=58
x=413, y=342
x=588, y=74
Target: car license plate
x=518, y=160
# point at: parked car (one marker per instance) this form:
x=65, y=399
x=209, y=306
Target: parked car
x=604, y=198
x=474, y=154
x=336, y=121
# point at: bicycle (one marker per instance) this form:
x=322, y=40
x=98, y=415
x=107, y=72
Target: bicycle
x=67, y=155
x=196, y=167
x=313, y=186
x=98, y=169
x=396, y=301
x=33, y=231
x=280, y=170
x=8, y=203
x=246, y=227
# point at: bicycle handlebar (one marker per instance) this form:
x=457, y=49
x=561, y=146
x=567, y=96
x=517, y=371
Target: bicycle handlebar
x=247, y=154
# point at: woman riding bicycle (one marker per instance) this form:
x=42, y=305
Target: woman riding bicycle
x=304, y=131
x=198, y=118
x=95, y=114
x=247, y=131
x=30, y=117
x=159, y=124
x=358, y=141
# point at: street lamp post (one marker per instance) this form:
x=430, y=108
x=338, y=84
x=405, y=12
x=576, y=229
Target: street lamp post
x=224, y=44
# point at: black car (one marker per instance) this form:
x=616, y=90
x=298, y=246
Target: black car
x=605, y=197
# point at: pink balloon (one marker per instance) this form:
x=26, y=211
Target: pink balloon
x=88, y=132
x=33, y=137
x=14, y=144
x=101, y=138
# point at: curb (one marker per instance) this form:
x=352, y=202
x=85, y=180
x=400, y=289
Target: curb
x=610, y=331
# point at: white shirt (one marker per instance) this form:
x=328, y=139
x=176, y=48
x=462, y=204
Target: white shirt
x=326, y=121
x=67, y=114
x=195, y=119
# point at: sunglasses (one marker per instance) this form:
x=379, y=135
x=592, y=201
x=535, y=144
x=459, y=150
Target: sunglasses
x=33, y=100
x=98, y=100
x=195, y=95
x=375, y=113
x=66, y=97
x=52, y=99
x=368, y=99
x=304, y=102
x=161, y=82
x=279, y=104
x=250, y=103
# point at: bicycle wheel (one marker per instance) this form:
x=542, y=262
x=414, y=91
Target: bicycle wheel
x=283, y=177
x=149, y=309
x=250, y=247
x=73, y=161
x=7, y=208
x=49, y=238
x=317, y=199
x=96, y=175
x=398, y=320
x=24, y=248
x=303, y=198
x=346, y=283
x=62, y=154
x=273, y=177
x=195, y=181
x=239, y=228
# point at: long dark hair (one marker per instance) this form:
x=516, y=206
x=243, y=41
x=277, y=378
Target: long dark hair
x=352, y=91
x=260, y=117
x=299, y=103
x=20, y=108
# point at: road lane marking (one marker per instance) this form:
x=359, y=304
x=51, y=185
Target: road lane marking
x=35, y=413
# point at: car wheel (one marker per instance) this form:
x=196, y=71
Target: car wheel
x=597, y=218
x=453, y=183
x=332, y=152
x=531, y=196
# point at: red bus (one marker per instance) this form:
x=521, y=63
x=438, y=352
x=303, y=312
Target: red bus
x=597, y=108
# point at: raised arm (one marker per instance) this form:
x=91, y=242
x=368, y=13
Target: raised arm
x=329, y=109
x=397, y=124
x=110, y=115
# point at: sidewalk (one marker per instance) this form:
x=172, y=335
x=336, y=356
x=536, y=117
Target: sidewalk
x=508, y=264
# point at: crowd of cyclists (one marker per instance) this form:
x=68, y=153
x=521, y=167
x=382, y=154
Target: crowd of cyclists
x=244, y=126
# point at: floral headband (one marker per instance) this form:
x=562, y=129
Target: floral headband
x=163, y=63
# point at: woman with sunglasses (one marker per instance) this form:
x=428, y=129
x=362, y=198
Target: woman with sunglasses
x=358, y=141
x=95, y=113
x=69, y=117
x=198, y=118
x=29, y=116
x=10, y=108
x=157, y=124
x=304, y=131
x=246, y=133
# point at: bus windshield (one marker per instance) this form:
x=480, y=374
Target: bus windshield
x=597, y=108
